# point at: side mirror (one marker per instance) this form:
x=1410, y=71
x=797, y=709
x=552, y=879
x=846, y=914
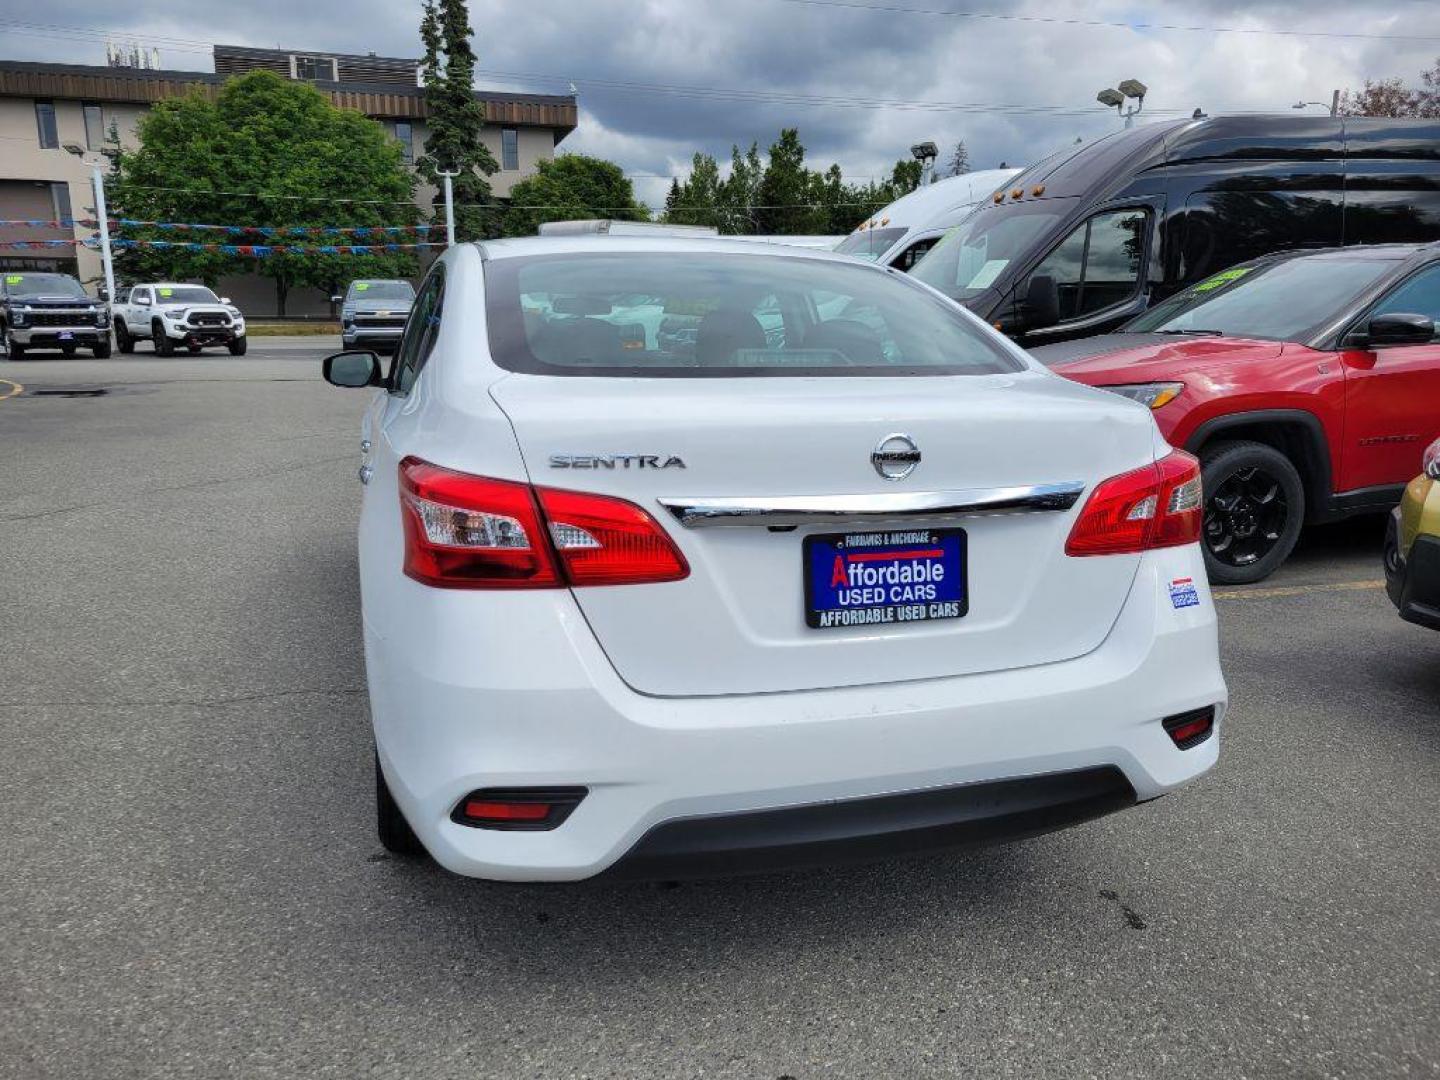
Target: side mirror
x=353, y=369
x=1395, y=329
x=1042, y=302
x=105, y=294
x=225, y=299
x=337, y=299
x=143, y=301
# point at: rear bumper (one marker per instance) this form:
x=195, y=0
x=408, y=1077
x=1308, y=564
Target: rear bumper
x=1413, y=582
x=461, y=701
x=879, y=827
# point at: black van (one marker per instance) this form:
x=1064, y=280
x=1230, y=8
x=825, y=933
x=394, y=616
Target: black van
x=1088, y=238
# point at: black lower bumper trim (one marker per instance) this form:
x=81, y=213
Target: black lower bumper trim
x=859, y=830
x=1415, y=586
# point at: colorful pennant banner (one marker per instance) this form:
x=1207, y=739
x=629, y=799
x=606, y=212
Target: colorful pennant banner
x=261, y=251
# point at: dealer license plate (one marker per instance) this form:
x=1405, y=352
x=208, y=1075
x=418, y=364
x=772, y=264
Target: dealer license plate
x=879, y=578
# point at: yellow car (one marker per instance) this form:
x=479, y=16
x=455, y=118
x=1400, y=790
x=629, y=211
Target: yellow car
x=1412, y=546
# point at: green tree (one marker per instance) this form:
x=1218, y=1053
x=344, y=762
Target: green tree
x=264, y=151
x=784, y=203
x=568, y=187
x=959, y=159
x=697, y=200
x=739, y=193
x=1392, y=97
x=454, y=121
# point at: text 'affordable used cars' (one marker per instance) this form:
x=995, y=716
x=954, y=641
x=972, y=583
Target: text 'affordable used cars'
x=681, y=558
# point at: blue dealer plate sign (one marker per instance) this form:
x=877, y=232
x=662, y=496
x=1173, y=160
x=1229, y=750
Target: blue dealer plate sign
x=879, y=578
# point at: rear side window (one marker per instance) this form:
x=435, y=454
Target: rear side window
x=703, y=314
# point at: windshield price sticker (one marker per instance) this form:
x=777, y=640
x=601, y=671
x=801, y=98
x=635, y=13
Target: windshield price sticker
x=360, y=286
x=879, y=578
x=1225, y=277
x=14, y=279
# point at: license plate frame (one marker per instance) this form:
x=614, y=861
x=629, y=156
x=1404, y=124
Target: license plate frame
x=884, y=548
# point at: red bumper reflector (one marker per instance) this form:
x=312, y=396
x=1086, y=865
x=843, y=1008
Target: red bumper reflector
x=1190, y=728
x=534, y=809
x=505, y=811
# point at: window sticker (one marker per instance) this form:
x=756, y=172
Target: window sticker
x=987, y=274
x=167, y=292
x=14, y=279
x=361, y=286
x=1225, y=277
x=1183, y=593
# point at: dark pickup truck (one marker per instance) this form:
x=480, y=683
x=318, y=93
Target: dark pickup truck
x=51, y=311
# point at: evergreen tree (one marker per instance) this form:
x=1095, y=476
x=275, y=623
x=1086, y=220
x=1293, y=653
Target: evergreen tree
x=784, y=204
x=959, y=160
x=455, y=118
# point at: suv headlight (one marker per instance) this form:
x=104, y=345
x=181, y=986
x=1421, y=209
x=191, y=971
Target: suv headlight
x=1431, y=461
x=102, y=317
x=1155, y=395
x=17, y=317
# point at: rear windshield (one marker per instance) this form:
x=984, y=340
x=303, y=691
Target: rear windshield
x=869, y=244
x=703, y=314
x=1280, y=301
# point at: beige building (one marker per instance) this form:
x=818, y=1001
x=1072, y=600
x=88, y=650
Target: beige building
x=43, y=107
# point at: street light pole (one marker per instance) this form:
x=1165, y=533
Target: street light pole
x=449, y=206
x=97, y=186
x=97, y=181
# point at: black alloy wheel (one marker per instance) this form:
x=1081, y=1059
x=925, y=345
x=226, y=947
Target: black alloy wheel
x=1254, y=509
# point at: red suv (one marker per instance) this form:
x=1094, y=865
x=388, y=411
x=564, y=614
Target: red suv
x=1306, y=382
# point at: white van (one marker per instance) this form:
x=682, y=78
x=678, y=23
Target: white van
x=909, y=227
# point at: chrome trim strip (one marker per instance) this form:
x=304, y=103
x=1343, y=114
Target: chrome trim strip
x=702, y=513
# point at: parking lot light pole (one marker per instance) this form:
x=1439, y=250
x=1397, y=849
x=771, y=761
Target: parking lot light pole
x=449, y=206
x=97, y=183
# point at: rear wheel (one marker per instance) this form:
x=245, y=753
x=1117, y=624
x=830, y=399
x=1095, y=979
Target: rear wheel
x=123, y=340
x=163, y=345
x=1254, y=509
x=237, y=346
x=396, y=836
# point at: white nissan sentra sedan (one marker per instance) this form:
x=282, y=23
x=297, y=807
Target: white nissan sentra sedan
x=680, y=557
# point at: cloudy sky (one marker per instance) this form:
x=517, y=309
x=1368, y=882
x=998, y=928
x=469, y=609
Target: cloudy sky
x=862, y=79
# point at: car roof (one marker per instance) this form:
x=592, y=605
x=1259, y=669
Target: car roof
x=1379, y=252
x=573, y=245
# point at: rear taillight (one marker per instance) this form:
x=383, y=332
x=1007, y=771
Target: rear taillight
x=1155, y=506
x=472, y=532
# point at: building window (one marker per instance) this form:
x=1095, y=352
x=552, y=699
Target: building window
x=314, y=68
x=45, y=124
x=94, y=125
x=509, y=148
x=60, y=200
x=405, y=134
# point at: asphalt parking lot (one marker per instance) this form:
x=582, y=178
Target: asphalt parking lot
x=193, y=887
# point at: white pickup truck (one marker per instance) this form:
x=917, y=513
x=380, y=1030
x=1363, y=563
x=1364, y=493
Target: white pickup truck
x=173, y=315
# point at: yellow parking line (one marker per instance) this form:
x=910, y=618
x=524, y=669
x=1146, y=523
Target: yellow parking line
x=1295, y=590
x=15, y=388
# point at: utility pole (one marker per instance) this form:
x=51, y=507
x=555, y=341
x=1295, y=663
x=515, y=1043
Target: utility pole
x=97, y=184
x=449, y=205
x=1335, y=103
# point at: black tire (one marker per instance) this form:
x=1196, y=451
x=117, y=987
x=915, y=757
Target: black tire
x=1254, y=510
x=123, y=340
x=102, y=350
x=163, y=345
x=237, y=346
x=17, y=351
x=395, y=833
x=67, y=350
